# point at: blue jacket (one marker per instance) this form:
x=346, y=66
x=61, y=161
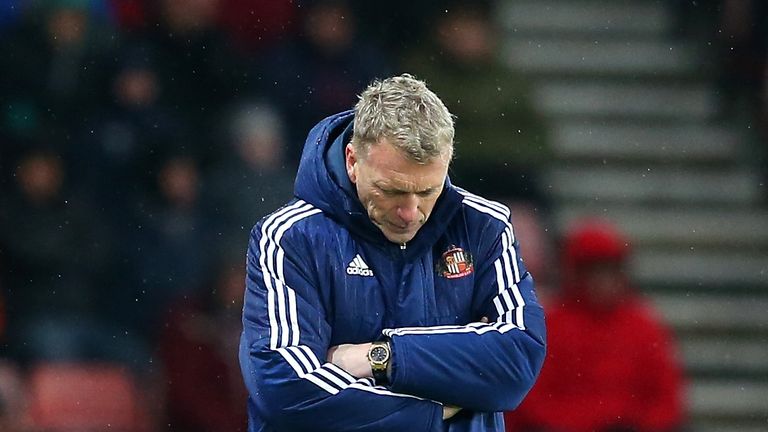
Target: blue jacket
x=319, y=274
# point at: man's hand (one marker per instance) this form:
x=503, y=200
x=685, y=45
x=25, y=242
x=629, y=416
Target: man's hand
x=353, y=358
x=450, y=411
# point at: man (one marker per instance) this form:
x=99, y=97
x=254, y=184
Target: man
x=383, y=298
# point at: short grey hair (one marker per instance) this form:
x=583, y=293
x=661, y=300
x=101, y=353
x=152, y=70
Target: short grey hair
x=408, y=114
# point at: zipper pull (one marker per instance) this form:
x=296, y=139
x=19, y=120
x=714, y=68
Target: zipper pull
x=402, y=246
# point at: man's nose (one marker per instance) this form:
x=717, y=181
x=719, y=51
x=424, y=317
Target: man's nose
x=408, y=210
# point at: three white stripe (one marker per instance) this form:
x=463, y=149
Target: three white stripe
x=506, y=267
x=281, y=325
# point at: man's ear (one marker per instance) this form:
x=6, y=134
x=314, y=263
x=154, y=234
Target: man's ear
x=350, y=157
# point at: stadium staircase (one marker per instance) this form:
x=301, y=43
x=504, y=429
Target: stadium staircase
x=638, y=139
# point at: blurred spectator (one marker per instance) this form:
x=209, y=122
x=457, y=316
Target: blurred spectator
x=536, y=245
x=171, y=258
x=51, y=70
x=322, y=71
x=56, y=252
x=253, y=179
x=198, y=346
x=611, y=364
x=500, y=139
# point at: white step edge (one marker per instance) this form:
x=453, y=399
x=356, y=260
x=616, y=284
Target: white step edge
x=625, y=100
x=589, y=17
x=538, y=55
x=718, y=353
x=729, y=398
x=584, y=139
x=655, y=184
x=702, y=311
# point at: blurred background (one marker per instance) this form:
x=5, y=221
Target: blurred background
x=141, y=140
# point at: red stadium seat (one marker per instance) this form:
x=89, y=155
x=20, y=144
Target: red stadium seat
x=83, y=398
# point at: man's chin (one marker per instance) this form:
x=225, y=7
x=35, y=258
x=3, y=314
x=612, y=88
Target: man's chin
x=399, y=237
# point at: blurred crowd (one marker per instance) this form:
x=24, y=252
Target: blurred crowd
x=141, y=140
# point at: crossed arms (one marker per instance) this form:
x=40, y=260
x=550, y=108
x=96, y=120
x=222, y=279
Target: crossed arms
x=297, y=381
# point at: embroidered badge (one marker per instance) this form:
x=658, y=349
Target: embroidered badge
x=455, y=263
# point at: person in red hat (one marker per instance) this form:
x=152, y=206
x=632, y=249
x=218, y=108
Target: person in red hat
x=611, y=363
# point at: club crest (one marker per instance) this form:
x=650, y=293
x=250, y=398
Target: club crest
x=455, y=263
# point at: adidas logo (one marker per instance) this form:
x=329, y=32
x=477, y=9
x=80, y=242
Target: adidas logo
x=358, y=267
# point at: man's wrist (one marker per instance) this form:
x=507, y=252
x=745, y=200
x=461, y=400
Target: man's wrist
x=353, y=358
x=364, y=370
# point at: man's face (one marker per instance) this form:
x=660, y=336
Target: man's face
x=606, y=282
x=398, y=193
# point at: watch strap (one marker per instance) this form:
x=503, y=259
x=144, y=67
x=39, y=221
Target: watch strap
x=380, y=376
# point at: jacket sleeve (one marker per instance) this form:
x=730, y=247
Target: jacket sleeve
x=285, y=340
x=479, y=366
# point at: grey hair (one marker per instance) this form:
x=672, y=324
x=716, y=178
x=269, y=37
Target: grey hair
x=409, y=115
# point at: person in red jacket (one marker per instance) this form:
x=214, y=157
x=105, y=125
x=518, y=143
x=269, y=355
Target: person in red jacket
x=611, y=363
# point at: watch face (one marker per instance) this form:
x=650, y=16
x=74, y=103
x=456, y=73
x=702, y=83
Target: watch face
x=379, y=354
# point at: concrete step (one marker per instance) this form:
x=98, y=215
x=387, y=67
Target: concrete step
x=642, y=18
x=750, y=425
x=727, y=398
x=703, y=312
x=682, y=228
x=654, y=185
x=705, y=270
x=602, y=99
x=600, y=57
x=629, y=141
x=719, y=355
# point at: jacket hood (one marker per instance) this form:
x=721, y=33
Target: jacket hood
x=322, y=181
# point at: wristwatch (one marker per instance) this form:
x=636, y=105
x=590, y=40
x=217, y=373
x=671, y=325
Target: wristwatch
x=379, y=355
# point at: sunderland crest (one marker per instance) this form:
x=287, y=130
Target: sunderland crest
x=455, y=263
